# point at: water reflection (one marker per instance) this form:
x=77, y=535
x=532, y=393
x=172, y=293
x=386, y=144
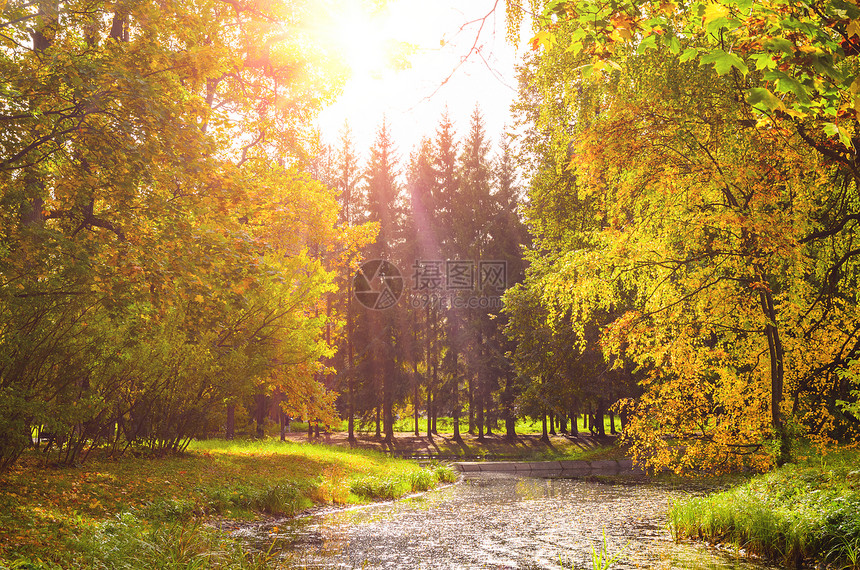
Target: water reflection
x=497, y=522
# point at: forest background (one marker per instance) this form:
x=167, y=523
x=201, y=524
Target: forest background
x=176, y=244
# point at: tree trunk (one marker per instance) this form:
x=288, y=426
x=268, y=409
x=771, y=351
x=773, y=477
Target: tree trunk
x=481, y=381
x=435, y=404
x=508, y=412
x=416, y=395
x=544, y=434
x=574, y=423
x=428, y=347
x=552, y=424
x=471, y=393
x=231, y=421
x=282, y=421
x=387, y=400
x=479, y=416
x=598, y=416
x=378, y=421
x=260, y=414
x=350, y=382
x=777, y=372
x=510, y=427
x=455, y=393
x=612, y=423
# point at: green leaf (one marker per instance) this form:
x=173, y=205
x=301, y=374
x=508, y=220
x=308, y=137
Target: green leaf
x=780, y=44
x=715, y=26
x=673, y=43
x=835, y=131
x=763, y=61
x=724, y=62
x=586, y=70
x=575, y=47
x=553, y=7
x=762, y=98
x=787, y=84
x=689, y=53
x=648, y=43
x=742, y=5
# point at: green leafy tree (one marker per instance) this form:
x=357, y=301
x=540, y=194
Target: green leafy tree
x=156, y=221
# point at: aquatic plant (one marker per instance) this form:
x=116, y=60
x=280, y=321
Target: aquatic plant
x=602, y=558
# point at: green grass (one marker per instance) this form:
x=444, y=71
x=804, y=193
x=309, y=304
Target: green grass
x=152, y=512
x=809, y=510
x=524, y=426
x=394, y=487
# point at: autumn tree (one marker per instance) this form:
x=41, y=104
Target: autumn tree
x=723, y=207
x=158, y=229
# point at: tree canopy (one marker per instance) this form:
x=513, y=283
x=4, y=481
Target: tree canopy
x=694, y=194
x=161, y=242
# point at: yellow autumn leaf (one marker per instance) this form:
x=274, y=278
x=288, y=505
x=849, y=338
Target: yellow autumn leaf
x=853, y=28
x=713, y=12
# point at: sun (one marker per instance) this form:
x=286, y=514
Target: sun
x=362, y=37
x=404, y=62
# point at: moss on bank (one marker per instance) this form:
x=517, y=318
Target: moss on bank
x=799, y=513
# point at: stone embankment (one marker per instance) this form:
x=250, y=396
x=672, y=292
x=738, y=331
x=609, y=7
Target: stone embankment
x=575, y=468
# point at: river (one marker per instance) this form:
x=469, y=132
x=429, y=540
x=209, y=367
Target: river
x=497, y=522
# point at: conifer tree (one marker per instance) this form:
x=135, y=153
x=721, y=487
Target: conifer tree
x=385, y=328
x=347, y=176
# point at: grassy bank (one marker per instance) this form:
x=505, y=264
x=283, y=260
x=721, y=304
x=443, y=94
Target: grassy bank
x=149, y=512
x=808, y=511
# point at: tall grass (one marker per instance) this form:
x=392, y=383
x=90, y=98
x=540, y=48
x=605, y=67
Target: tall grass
x=128, y=542
x=393, y=487
x=809, y=511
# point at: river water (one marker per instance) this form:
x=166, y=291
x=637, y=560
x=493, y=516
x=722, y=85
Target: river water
x=495, y=523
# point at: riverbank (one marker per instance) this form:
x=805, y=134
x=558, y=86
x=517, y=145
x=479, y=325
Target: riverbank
x=137, y=512
x=798, y=515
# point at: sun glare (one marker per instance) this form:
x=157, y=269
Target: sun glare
x=398, y=56
x=361, y=39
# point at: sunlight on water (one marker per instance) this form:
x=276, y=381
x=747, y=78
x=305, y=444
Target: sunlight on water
x=497, y=523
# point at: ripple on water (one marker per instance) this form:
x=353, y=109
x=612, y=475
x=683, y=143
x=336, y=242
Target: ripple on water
x=497, y=522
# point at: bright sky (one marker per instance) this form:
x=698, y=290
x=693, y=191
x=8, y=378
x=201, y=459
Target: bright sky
x=413, y=99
